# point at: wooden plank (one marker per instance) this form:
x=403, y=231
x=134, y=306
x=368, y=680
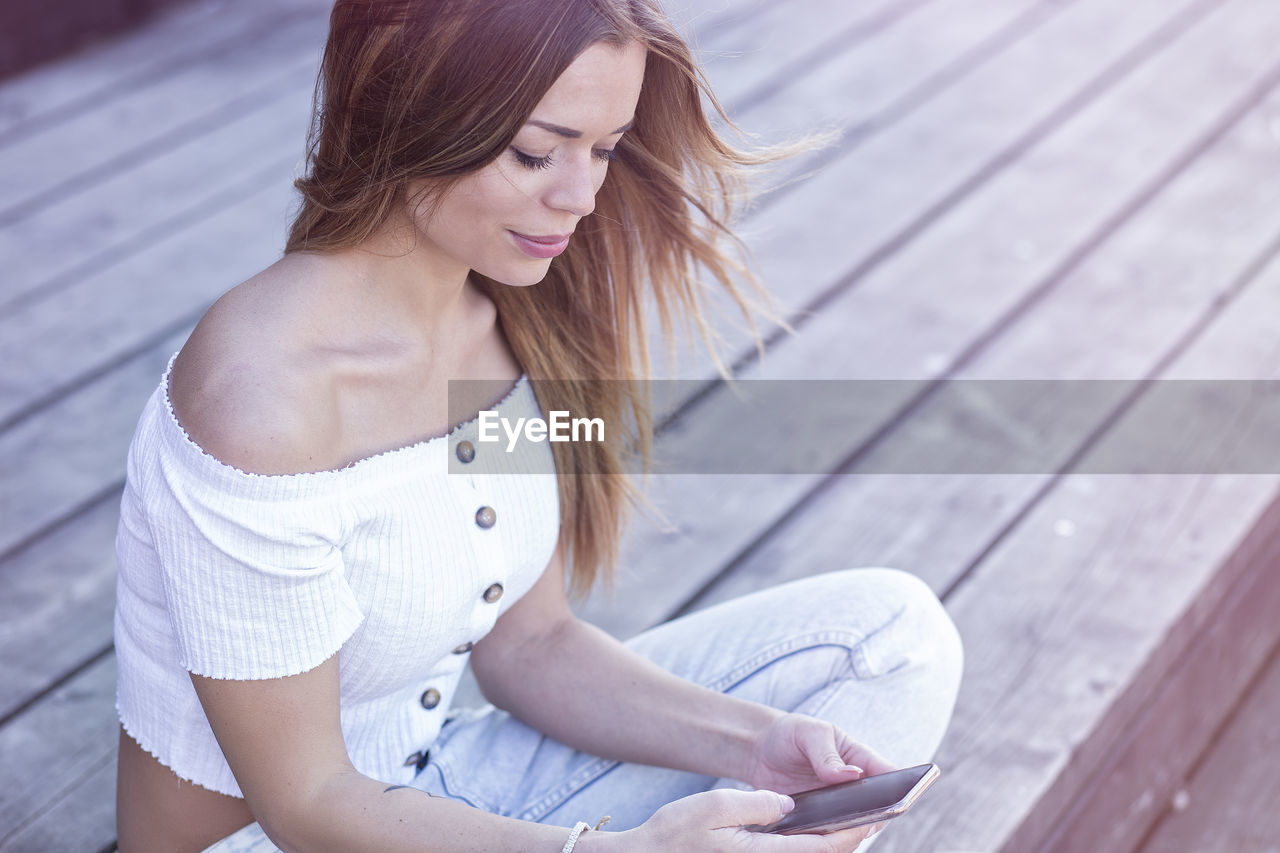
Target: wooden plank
x=59, y=599
x=40, y=32
x=1166, y=570
x=1152, y=547
x=970, y=133
x=175, y=37
x=54, y=749
x=900, y=321
x=89, y=292
x=1208, y=657
x=152, y=302
x=1055, y=627
x=1229, y=802
x=59, y=591
x=736, y=507
x=1175, y=711
x=178, y=107
x=149, y=383
x=30, y=576
x=188, y=33
x=82, y=818
x=1092, y=616
x=1057, y=338
x=785, y=41
x=32, y=827
x=23, y=447
x=74, y=237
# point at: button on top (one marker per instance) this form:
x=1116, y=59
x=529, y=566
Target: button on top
x=466, y=451
x=430, y=698
x=493, y=593
x=486, y=517
x=464, y=648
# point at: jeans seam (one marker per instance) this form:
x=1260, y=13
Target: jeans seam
x=575, y=783
x=457, y=792
x=739, y=673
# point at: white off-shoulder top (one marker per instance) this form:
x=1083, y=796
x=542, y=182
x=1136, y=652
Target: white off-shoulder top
x=393, y=562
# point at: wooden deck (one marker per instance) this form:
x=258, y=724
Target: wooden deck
x=1030, y=189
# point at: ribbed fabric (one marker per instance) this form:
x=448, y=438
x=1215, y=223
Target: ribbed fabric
x=236, y=575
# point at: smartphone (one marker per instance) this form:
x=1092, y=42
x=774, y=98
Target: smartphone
x=870, y=799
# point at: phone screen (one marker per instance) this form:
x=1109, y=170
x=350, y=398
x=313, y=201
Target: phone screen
x=862, y=801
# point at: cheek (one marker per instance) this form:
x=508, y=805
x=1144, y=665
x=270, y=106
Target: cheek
x=473, y=219
x=500, y=197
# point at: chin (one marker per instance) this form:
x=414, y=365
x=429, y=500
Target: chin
x=528, y=277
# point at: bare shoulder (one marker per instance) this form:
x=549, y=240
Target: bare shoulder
x=248, y=388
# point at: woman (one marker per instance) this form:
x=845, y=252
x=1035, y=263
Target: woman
x=301, y=580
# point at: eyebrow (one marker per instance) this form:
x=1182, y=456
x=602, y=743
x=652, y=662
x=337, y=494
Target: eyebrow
x=570, y=133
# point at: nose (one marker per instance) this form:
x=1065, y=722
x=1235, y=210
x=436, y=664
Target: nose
x=575, y=188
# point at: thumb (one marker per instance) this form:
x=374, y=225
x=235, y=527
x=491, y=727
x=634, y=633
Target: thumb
x=828, y=764
x=831, y=768
x=752, y=808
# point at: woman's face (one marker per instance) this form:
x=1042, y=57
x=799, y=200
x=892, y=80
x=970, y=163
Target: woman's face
x=509, y=219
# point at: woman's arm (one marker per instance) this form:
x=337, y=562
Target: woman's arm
x=283, y=740
x=284, y=743
x=583, y=687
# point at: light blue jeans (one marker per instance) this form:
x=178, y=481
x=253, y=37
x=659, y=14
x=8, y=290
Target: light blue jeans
x=871, y=650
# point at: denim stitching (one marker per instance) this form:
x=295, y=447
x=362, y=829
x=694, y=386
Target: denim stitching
x=768, y=656
x=860, y=651
x=574, y=784
x=455, y=792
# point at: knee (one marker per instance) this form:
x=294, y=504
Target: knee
x=917, y=632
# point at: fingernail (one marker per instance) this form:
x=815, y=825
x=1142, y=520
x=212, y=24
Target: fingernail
x=854, y=767
x=787, y=804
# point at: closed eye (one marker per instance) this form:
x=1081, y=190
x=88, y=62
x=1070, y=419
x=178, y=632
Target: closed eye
x=530, y=162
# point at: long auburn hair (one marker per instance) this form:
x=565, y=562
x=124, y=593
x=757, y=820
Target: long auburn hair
x=436, y=89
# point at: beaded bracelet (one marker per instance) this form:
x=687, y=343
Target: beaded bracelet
x=579, y=828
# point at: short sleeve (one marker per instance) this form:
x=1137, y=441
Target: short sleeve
x=251, y=565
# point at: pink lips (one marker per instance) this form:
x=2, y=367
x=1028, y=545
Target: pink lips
x=542, y=247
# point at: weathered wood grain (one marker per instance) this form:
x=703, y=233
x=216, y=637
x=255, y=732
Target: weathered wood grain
x=57, y=595
x=1229, y=802
x=83, y=818
x=734, y=510
x=177, y=36
x=55, y=749
x=28, y=446
x=151, y=302
x=115, y=308
x=1178, y=705
x=123, y=212
x=1148, y=615
x=176, y=108
x=1200, y=544
x=919, y=312
x=997, y=111
x=1163, y=560
x=26, y=827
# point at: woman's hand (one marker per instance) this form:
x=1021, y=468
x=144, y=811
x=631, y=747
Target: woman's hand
x=713, y=821
x=797, y=753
